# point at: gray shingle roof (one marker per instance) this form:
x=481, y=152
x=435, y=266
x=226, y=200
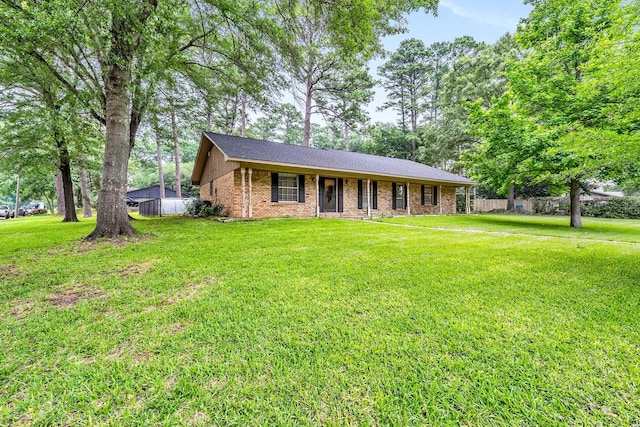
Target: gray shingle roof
x=259, y=151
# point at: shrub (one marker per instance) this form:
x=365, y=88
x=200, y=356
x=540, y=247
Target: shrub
x=461, y=202
x=617, y=207
x=39, y=212
x=203, y=209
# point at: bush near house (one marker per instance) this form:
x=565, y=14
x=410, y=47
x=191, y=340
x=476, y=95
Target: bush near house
x=203, y=209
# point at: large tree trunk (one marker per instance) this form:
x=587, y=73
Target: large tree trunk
x=307, y=114
x=243, y=121
x=156, y=129
x=176, y=150
x=59, y=195
x=511, y=199
x=86, y=197
x=113, y=218
x=346, y=136
x=576, y=218
x=414, y=120
x=67, y=185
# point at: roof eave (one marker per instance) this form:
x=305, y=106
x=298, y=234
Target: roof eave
x=319, y=169
x=201, y=158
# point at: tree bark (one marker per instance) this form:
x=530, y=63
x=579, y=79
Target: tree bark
x=86, y=197
x=67, y=185
x=414, y=120
x=346, y=136
x=59, y=195
x=113, y=218
x=307, y=114
x=156, y=129
x=511, y=199
x=176, y=150
x=243, y=120
x=576, y=218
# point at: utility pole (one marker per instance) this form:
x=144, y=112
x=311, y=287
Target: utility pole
x=15, y=212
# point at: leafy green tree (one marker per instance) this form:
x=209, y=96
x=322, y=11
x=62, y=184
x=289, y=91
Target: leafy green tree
x=108, y=55
x=283, y=124
x=388, y=140
x=406, y=79
x=559, y=38
x=349, y=88
x=318, y=35
x=506, y=140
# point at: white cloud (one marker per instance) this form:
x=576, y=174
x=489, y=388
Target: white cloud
x=498, y=19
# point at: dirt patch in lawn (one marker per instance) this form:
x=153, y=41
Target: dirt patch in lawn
x=70, y=297
x=135, y=269
x=9, y=271
x=20, y=309
x=190, y=290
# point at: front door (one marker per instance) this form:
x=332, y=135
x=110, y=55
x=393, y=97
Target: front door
x=330, y=195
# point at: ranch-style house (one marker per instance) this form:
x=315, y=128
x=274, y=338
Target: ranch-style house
x=259, y=179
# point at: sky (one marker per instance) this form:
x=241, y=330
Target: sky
x=484, y=20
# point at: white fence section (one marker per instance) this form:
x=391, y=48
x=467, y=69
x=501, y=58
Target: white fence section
x=168, y=206
x=488, y=205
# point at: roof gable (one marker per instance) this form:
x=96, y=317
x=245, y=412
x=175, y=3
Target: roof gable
x=242, y=149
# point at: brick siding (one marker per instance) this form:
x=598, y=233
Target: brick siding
x=227, y=190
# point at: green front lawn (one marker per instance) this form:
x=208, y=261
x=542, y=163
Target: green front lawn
x=553, y=226
x=321, y=322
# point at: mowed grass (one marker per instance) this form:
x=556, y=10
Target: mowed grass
x=320, y=322
x=553, y=226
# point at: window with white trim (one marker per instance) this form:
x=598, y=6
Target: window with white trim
x=287, y=187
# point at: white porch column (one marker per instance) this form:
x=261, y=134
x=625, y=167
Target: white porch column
x=369, y=198
x=475, y=197
x=467, y=200
x=250, y=193
x=243, y=208
x=408, y=199
x=318, y=196
x=440, y=197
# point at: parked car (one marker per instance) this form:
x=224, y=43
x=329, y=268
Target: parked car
x=5, y=212
x=132, y=202
x=35, y=208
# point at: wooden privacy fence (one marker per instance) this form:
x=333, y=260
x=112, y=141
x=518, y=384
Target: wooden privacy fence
x=488, y=205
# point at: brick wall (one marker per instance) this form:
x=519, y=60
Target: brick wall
x=263, y=207
x=228, y=191
x=221, y=191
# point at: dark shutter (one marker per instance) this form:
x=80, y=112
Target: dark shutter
x=374, y=196
x=393, y=195
x=359, y=194
x=340, y=191
x=422, y=194
x=321, y=195
x=274, y=187
x=301, y=188
x=406, y=195
x=434, y=194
